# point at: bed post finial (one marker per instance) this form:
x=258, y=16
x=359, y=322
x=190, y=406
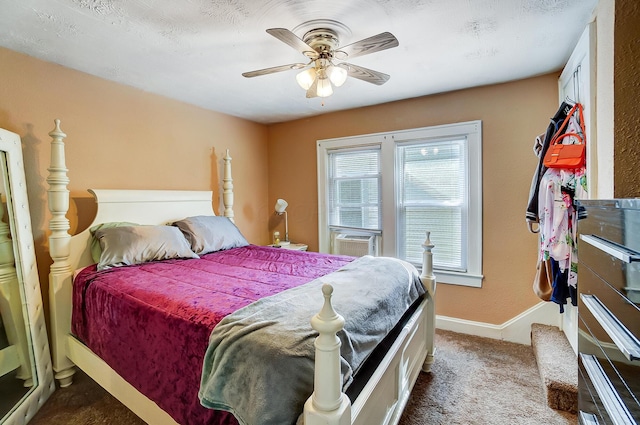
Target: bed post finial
x=227, y=187
x=59, y=249
x=328, y=405
x=427, y=276
x=58, y=197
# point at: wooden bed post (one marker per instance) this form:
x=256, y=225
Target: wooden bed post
x=429, y=281
x=227, y=187
x=328, y=405
x=59, y=249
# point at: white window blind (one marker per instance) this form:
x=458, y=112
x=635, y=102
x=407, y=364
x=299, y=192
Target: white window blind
x=354, y=188
x=433, y=196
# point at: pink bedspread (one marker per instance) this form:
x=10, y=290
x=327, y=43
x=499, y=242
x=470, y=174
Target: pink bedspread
x=151, y=323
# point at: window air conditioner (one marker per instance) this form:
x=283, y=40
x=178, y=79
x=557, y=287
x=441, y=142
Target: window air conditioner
x=354, y=245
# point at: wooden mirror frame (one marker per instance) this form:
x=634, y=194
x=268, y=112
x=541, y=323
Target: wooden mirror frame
x=27, y=270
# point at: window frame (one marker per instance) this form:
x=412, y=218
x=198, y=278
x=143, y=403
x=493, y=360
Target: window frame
x=403, y=205
x=388, y=143
x=377, y=176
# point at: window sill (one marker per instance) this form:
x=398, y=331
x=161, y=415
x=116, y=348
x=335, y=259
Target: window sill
x=462, y=279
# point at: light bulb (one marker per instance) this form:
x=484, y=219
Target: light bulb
x=324, y=87
x=337, y=75
x=306, y=78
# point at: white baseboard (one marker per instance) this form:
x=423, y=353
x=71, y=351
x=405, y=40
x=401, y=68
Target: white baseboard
x=516, y=330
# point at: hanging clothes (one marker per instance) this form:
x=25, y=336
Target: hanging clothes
x=558, y=215
x=541, y=145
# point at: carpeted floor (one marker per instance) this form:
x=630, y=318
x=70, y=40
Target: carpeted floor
x=481, y=381
x=474, y=381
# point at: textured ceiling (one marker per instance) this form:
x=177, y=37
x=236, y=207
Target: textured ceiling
x=196, y=50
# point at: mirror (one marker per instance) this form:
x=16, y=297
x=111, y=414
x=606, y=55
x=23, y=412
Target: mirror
x=26, y=378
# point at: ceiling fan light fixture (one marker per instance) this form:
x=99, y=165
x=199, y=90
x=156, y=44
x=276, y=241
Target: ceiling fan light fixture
x=306, y=78
x=324, y=87
x=321, y=44
x=337, y=75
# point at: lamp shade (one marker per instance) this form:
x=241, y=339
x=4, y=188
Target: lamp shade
x=306, y=78
x=324, y=87
x=337, y=75
x=281, y=206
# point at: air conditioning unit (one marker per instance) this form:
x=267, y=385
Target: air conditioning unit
x=354, y=245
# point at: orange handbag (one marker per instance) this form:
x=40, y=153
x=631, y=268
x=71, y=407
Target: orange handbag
x=569, y=156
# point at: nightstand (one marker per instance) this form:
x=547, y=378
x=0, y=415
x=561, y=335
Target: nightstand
x=292, y=246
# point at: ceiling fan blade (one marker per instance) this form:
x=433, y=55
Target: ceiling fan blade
x=365, y=74
x=294, y=41
x=313, y=90
x=273, y=70
x=382, y=41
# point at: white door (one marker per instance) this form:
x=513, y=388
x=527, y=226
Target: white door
x=577, y=84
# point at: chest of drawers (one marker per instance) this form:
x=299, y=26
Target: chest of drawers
x=609, y=312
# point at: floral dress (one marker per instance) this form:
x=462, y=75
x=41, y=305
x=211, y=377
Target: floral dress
x=559, y=188
x=558, y=215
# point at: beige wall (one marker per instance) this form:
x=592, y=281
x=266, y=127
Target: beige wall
x=120, y=137
x=123, y=138
x=512, y=115
x=626, y=91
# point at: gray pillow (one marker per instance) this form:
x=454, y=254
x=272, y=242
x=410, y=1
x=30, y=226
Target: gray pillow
x=95, y=243
x=208, y=233
x=126, y=245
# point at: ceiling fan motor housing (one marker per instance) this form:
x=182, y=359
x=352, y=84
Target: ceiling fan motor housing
x=322, y=40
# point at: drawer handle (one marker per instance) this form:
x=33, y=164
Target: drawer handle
x=626, y=342
x=619, y=251
x=608, y=395
x=588, y=418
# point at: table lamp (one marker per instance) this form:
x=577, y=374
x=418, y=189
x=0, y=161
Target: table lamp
x=281, y=208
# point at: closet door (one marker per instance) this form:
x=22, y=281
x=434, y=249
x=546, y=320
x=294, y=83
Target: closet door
x=577, y=83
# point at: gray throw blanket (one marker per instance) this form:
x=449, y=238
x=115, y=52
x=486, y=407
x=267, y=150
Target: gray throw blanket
x=260, y=360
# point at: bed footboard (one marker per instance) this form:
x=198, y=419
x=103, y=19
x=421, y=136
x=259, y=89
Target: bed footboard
x=328, y=404
x=384, y=397
x=429, y=282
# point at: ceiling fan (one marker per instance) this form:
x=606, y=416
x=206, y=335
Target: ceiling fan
x=322, y=47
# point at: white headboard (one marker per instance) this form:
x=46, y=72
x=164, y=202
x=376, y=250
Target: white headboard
x=140, y=207
x=70, y=253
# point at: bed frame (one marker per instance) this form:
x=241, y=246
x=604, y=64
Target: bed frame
x=381, y=401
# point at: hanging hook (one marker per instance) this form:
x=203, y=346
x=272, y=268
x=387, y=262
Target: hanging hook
x=576, y=83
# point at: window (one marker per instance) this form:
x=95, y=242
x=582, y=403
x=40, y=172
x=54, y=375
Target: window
x=433, y=196
x=354, y=206
x=398, y=185
x=354, y=188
